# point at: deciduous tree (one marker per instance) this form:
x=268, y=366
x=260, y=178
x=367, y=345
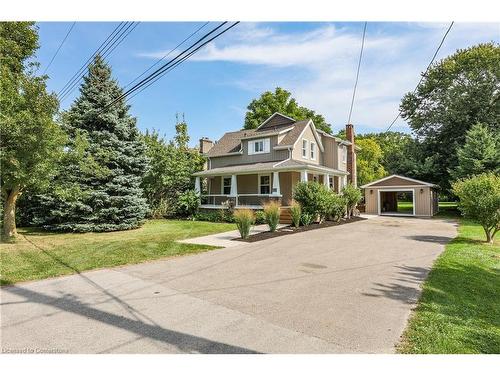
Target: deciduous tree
x=31, y=142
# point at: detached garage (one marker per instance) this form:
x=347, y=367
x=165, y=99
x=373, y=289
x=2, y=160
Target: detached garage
x=401, y=196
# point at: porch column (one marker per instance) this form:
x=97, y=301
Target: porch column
x=276, y=184
x=197, y=185
x=326, y=180
x=234, y=186
x=303, y=176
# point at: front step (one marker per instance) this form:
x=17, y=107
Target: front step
x=285, y=216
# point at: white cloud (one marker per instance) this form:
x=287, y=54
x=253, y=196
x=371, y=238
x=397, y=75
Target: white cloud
x=318, y=66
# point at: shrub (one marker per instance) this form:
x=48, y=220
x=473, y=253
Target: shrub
x=480, y=201
x=314, y=198
x=306, y=218
x=272, y=213
x=260, y=217
x=188, y=203
x=338, y=207
x=352, y=196
x=244, y=219
x=295, y=211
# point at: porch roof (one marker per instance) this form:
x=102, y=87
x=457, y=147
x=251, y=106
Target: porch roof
x=273, y=166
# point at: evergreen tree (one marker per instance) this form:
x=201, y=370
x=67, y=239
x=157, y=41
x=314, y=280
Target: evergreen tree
x=479, y=154
x=98, y=188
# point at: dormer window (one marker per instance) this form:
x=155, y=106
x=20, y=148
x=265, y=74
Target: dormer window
x=259, y=146
x=304, y=148
x=313, y=151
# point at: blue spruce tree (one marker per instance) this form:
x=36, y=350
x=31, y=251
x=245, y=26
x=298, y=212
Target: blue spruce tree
x=98, y=188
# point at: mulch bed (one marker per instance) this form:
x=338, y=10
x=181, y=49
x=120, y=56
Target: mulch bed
x=291, y=230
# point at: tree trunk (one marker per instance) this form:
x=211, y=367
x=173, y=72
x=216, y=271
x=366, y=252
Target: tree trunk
x=489, y=237
x=9, y=213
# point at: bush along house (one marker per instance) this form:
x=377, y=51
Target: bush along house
x=247, y=168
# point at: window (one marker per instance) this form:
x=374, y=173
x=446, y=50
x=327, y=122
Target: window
x=330, y=182
x=259, y=146
x=226, y=185
x=344, y=154
x=265, y=184
x=304, y=148
x=313, y=151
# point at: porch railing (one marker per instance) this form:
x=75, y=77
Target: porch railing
x=240, y=200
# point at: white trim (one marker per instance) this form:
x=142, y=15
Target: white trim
x=397, y=187
x=396, y=190
x=275, y=186
x=228, y=154
x=402, y=177
x=274, y=114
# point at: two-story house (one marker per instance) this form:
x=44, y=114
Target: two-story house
x=250, y=167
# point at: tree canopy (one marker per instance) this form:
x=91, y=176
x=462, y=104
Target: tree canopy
x=31, y=142
x=457, y=92
x=281, y=101
x=369, y=161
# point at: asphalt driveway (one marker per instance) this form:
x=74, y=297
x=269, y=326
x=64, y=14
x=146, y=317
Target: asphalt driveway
x=343, y=289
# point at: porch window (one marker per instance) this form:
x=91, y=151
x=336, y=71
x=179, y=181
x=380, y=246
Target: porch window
x=265, y=184
x=304, y=148
x=330, y=182
x=226, y=185
x=313, y=151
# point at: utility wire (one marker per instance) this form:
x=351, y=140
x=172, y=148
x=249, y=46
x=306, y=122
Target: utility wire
x=84, y=66
x=167, y=54
x=105, y=53
x=58, y=48
x=357, y=74
x=425, y=73
x=174, y=62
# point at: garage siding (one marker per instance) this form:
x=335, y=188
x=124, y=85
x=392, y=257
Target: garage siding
x=424, y=202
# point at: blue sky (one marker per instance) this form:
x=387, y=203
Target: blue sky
x=315, y=61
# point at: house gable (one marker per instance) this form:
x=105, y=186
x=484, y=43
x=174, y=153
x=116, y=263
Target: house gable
x=396, y=180
x=276, y=120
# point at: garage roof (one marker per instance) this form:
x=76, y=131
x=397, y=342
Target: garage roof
x=407, y=181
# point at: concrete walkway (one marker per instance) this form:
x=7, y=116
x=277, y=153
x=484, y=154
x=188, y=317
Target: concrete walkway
x=345, y=289
x=225, y=239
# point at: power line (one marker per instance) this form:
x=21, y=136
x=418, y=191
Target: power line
x=174, y=62
x=167, y=54
x=71, y=80
x=119, y=38
x=357, y=73
x=58, y=48
x=425, y=73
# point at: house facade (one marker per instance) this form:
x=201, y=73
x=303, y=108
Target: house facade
x=251, y=167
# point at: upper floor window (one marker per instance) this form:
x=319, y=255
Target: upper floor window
x=313, y=151
x=344, y=154
x=258, y=146
x=304, y=148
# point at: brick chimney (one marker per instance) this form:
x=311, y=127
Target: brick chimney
x=205, y=145
x=351, y=155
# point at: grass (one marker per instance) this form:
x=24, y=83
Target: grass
x=38, y=254
x=405, y=207
x=459, y=309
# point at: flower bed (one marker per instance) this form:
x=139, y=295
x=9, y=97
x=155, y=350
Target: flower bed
x=291, y=230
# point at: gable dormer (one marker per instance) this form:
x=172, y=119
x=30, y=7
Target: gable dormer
x=276, y=121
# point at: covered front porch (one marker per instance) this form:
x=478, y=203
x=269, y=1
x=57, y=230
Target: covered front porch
x=251, y=189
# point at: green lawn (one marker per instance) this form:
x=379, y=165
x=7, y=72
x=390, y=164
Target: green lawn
x=405, y=207
x=459, y=310
x=39, y=254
